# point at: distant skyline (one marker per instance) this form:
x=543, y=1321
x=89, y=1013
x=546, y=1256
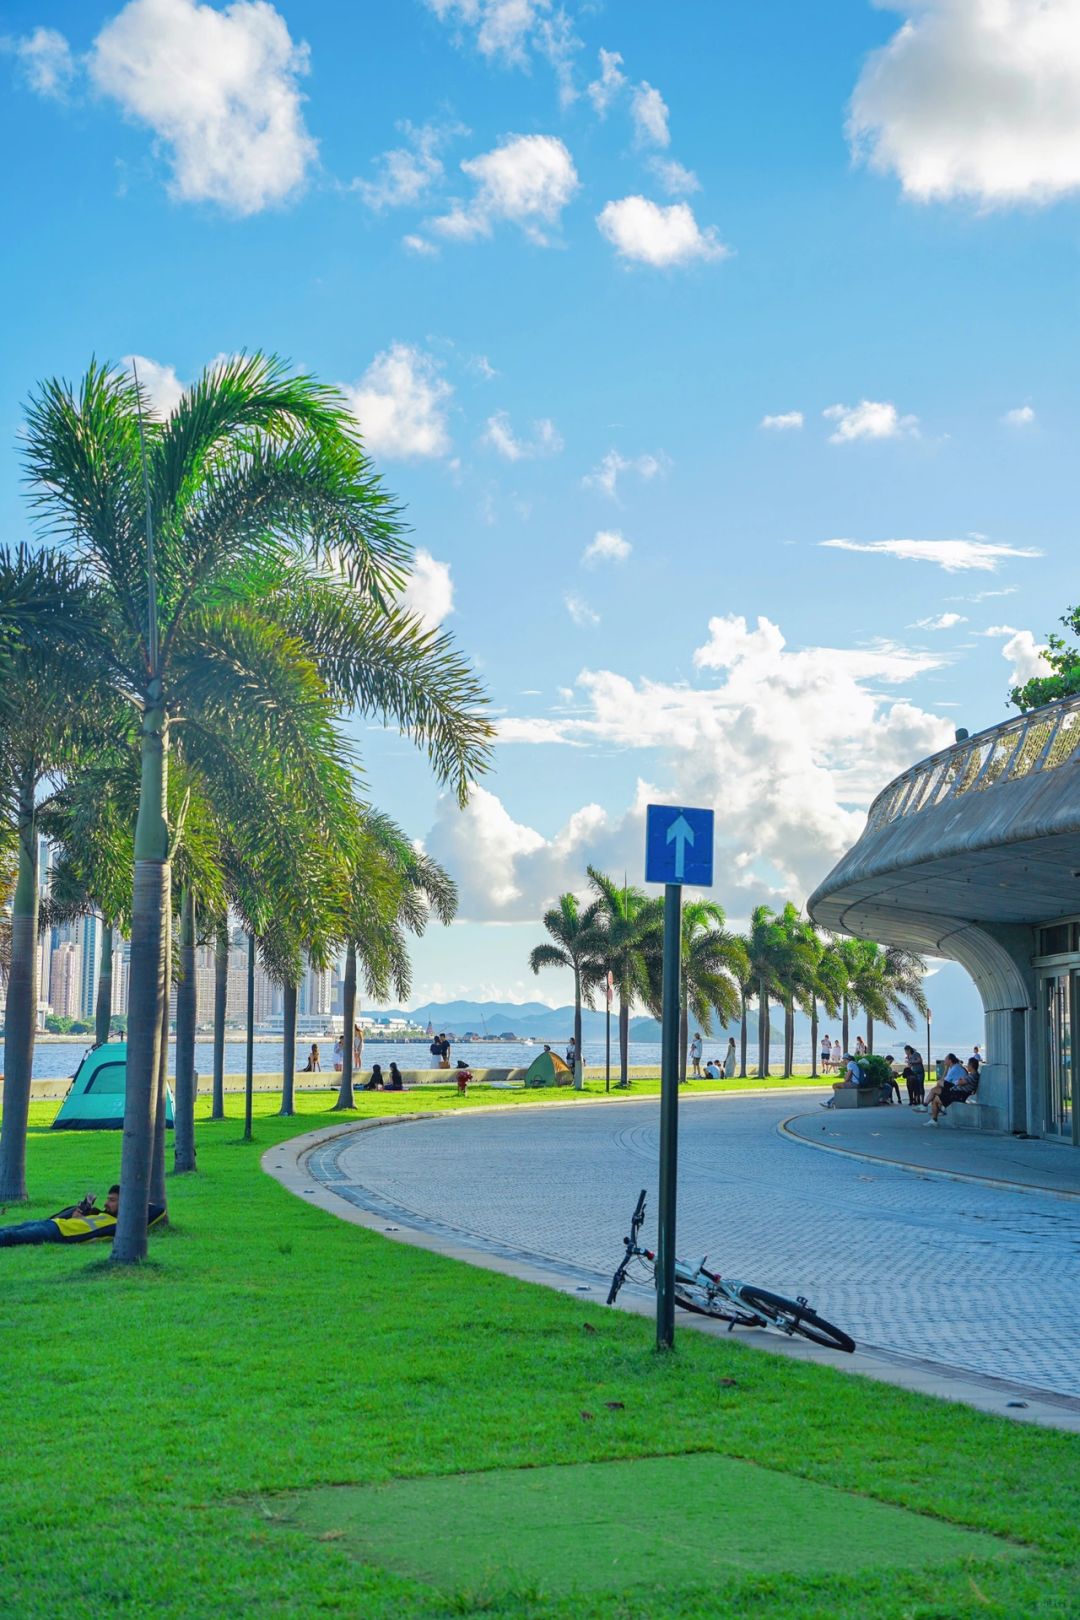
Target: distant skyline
x=722, y=357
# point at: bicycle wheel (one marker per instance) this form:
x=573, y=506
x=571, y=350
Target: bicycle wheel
x=791, y=1316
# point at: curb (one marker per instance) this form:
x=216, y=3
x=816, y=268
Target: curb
x=783, y=1129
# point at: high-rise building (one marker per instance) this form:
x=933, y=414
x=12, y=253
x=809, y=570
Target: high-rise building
x=65, y=973
x=204, y=984
x=121, y=975
x=89, y=940
x=315, y=996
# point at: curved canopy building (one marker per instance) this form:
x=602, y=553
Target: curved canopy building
x=974, y=854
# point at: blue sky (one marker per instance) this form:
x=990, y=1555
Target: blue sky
x=563, y=312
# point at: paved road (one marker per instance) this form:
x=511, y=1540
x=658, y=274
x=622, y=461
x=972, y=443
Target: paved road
x=982, y=1278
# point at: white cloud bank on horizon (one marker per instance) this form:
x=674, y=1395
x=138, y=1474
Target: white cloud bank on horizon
x=400, y=405
x=527, y=181
x=954, y=556
x=974, y=98
x=788, y=745
x=644, y=232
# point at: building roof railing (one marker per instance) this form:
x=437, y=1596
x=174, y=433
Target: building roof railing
x=1041, y=740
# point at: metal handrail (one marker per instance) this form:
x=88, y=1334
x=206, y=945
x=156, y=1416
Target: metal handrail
x=907, y=794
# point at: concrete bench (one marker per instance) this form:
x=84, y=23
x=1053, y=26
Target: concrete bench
x=974, y=1116
x=845, y=1096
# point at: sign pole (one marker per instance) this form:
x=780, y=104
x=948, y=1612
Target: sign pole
x=608, y=989
x=669, y=1119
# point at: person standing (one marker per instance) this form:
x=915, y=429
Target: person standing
x=339, y=1053
x=444, y=1052
x=357, y=1048
x=571, y=1054
x=837, y=1056
x=914, y=1077
x=826, y=1054
x=695, y=1055
x=861, y=1047
x=729, y=1059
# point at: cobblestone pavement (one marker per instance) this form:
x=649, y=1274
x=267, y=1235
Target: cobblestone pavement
x=980, y=1278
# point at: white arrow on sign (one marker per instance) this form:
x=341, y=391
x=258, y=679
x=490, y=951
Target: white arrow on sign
x=680, y=833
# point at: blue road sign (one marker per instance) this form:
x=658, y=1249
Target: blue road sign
x=678, y=845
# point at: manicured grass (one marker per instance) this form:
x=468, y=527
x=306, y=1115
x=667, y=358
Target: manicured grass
x=158, y=1420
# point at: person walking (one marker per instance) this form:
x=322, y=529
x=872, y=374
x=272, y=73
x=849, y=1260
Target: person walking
x=729, y=1059
x=695, y=1055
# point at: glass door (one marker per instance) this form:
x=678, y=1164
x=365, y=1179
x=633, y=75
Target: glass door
x=1060, y=997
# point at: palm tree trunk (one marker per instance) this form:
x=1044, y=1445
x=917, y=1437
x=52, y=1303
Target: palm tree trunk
x=158, y=1191
x=345, y=1098
x=763, y=1031
x=813, y=1037
x=579, y=1067
x=151, y=899
x=684, y=1038
x=186, y=1085
x=249, y=1043
x=288, y=1054
x=103, y=1004
x=742, y=1035
x=869, y=1032
x=221, y=997
x=844, y=1029
x=789, y=1037
x=20, y=1022
x=624, y=1041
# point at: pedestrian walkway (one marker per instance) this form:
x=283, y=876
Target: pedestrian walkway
x=899, y=1136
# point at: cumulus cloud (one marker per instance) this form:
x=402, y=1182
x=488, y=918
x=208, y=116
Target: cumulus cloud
x=219, y=89
x=45, y=59
x=512, y=32
x=429, y=593
x=580, y=612
x=954, y=556
x=406, y=173
x=499, y=434
x=784, y=423
x=676, y=180
x=608, y=85
x=159, y=381
x=645, y=232
x=605, y=476
x=1022, y=416
x=808, y=735
x=650, y=114
x=1026, y=656
x=607, y=545
x=528, y=180
x=420, y=246
x=400, y=404
x=869, y=419
x=940, y=621
x=975, y=98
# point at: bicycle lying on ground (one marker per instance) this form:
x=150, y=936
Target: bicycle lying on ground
x=739, y=1304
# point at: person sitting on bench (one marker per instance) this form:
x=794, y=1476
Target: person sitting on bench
x=78, y=1223
x=894, y=1070
x=961, y=1082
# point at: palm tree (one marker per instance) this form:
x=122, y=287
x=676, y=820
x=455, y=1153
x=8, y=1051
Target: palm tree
x=781, y=957
x=798, y=974
x=862, y=987
x=576, y=941
x=180, y=521
x=899, y=976
x=632, y=926
x=825, y=990
x=712, y=963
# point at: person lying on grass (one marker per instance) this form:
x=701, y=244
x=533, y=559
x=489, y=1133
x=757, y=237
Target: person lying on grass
x=78, y=1223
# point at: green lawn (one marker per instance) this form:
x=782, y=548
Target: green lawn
x=162, y=1427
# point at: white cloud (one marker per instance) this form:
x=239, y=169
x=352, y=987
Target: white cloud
x=429, y=592
x=676, y=180
x=1026, y=656
x=607, y=545
x=975, y=98
x=160, y=382
x=400, y=404
x=483, y=367
x=648, y=233
x=406, y=173
x=869, y=419
x=528, y=180
x=510, y=32
x=784, y=423
x=954, y=556
x=45, y=59
x=605, y=89
x=499, y=434
x=940, y=621
x=580, y=612
x=605, y=476
x=650, y=114
x=1022, y=416
x=420, y=246
x=219, y=90
x=808, y=735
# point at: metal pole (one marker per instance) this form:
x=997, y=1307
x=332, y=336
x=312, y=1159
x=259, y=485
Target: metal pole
x=249, y=1056
x=929, y=1015
x=607, y=1052
x=669, y=1120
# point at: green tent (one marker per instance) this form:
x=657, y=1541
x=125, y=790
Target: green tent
x=548, y=1070
x=95, y=1098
